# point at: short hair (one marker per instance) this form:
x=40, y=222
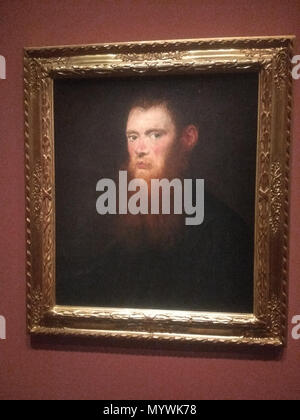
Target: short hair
x=179, y=105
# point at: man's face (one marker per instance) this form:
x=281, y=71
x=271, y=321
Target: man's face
x=151, y=135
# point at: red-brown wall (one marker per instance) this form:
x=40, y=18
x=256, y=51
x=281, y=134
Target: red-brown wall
x=64, y=371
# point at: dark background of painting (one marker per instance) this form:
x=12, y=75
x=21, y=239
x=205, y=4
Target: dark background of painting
x=90, y=118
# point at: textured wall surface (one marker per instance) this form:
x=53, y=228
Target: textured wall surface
x=44, y=370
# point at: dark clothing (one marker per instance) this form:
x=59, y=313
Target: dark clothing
x=210, y=269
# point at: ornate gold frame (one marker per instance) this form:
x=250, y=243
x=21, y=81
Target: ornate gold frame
x=271, y=58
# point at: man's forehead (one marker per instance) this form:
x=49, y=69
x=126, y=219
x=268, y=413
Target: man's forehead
x=155, y=115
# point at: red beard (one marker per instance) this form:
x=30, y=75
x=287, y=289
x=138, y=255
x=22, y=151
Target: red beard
x=162, y=231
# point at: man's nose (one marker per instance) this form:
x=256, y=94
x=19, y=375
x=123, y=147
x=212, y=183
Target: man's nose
x=142, y=146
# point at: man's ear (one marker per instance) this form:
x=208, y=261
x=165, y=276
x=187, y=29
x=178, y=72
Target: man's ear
x=189, y=137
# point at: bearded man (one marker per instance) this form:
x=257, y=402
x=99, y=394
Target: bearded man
x=155, y=261
x=158, y=148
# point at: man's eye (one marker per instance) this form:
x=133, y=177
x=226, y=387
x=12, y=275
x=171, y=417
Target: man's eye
x=132, y=138
x=155, y=135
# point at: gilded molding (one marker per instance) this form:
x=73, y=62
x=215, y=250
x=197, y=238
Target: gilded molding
x=37, y=194
x=275, y=316
x=47, y=152
x=283, y=68
x=276, y=196
x=159, y=337
x=157, y=316
x=270, y=57
x=283, y=294
x=29, y=162
x=263, y=190
x=152, y=56
x=256, y=43
x=37, y=307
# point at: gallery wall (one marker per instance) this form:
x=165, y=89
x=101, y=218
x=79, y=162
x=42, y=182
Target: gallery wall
x=108, y=371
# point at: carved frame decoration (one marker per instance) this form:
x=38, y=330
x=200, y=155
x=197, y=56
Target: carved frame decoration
x=271, y=58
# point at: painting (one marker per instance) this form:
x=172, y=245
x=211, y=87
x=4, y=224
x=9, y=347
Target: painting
x=157, y=185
